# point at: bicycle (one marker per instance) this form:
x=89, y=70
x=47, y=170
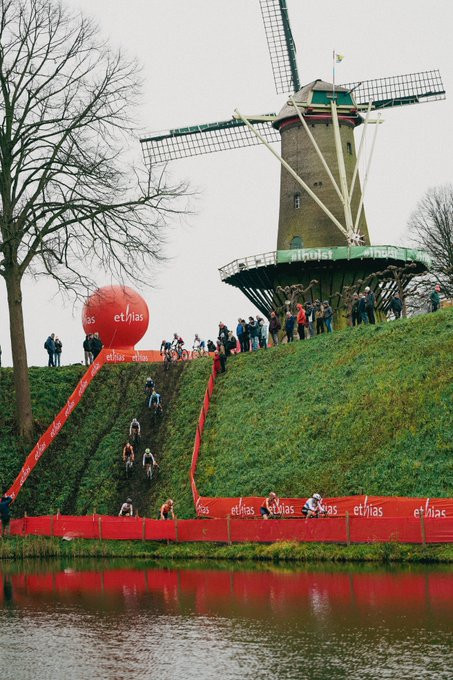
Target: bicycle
x=151, y=470
x=135, y=440
x=129, y=463
x=199, y=352
x=157, y=408
x=179, y=354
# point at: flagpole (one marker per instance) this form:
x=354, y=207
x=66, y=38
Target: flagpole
x=333, y=73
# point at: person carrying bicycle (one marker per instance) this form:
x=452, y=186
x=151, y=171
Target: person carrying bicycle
x=149, y=462
x=167, y=509
x=313, y=507
x=128, y=453
x=126, y=509
x=270, y=508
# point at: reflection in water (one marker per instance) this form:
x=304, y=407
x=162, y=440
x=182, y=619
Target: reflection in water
x=186, y=623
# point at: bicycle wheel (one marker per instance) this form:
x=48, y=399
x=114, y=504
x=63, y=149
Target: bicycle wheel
x=184, y=355
x=174, y=355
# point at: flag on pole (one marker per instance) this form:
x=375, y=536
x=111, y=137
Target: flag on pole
x=339, y=57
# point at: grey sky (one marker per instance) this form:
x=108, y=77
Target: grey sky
x=202, y=59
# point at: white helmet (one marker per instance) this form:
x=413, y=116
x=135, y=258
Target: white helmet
x=317, y=496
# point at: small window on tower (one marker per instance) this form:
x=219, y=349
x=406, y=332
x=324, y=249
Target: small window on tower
x=297, y=201
x=349, y=148
x=296, y=242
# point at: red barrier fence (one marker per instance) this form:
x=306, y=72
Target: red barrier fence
x=330, y=530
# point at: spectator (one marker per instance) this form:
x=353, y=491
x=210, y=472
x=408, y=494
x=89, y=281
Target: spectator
x=211, y=346
x=246, y=338
x=362, y=309
x=223, y=358
x=240, y=334
x=355, y=315
x=4, y=513
x=290, y=320
x=96, y=345
x=435, y=298
x=301, y=321
x=254, y=332
x=396, y=305
x=231, y=345
x=319, y=317
x=217, y=362
x=370, y=304
x=87, y=350
x=328, y=316
x=223, y=334
x=262, y=331
x=310, y=313
x=274, y=327
x=49, y=345
x=58, y=350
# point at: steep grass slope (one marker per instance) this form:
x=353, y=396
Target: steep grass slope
x=365, y=410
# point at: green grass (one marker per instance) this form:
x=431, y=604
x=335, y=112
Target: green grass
x=43, y=547
x=365, y=410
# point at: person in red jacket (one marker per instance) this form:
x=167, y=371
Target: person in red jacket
x=301, y=321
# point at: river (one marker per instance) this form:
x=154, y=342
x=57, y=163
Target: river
x=117, y=620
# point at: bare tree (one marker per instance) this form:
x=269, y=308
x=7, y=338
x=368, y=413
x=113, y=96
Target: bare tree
x=70, y=201
x=431, y=228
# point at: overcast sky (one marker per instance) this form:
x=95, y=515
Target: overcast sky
x=202, y=59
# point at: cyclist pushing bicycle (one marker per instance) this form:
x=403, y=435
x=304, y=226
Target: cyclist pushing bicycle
x=149, y=463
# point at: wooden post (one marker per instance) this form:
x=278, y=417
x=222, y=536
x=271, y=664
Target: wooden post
x=348, y=529
x=422, y=526
x=51, y=524
x=100, y=527
x=228, y=529
x=176, y=529
x=24, y=526
x=143, y=528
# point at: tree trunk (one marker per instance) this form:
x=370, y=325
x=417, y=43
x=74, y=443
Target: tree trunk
x=24, y=415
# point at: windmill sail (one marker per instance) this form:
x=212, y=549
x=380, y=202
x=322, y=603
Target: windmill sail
x=282, y=48
x=410, y=88
x=197, y=140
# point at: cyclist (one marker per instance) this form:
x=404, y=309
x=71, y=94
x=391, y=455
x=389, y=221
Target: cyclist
x=155, y=401
x=270, y=508
x=198, y=345
x=313, y=507
x=128, y=454
x=126, y=509
x=167, y=509
x=149, y=386
x=177, y=344
x=149, y=462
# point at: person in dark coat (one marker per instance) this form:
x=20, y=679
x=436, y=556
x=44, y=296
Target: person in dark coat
x=355, y=316
x=58, y=350
x=310, y=312
x=370, y=304
x=434, y=298
x=223, y=334
x=274, y=327
x=396, y=305
x=290, y=320
x=87, y=350
x=4, y=512
x=96, y=345
x=246, y=336
x=319, y=316
x=254, y=333
x=49, y=345
x=362, y=309
x=240, y=334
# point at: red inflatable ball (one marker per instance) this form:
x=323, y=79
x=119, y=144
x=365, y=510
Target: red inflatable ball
x=119, y=314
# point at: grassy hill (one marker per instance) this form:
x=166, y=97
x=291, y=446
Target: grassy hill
x=362, y=410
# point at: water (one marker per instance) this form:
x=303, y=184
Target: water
x=98, y=620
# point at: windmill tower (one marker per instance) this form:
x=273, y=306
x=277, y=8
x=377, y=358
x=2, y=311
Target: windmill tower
x=322, y=230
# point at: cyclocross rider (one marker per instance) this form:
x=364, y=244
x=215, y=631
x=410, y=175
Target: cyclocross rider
x=149, y=460
x=150, y=383
x=155, y=400
x=128, y=452
x=134, y=428
x=126, y=509
x=167, y=509
x=177, y=343
x=313, y=507
x=198, y=344
x=270, y=508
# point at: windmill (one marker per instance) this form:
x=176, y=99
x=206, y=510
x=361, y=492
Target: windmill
x=322, y=231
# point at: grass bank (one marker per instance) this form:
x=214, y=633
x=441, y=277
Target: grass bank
x=18, y=548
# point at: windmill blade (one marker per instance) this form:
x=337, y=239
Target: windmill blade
x=410, y=88
x=281, y=45
x=206, y=138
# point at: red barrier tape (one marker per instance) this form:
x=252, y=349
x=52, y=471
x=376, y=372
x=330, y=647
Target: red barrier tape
x=329, y=530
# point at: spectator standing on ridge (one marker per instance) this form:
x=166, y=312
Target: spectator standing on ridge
x=49, y=345
x=58, y=350
x=434, y=298
x=396, y=305
x=240, y=334
x=4, y=513
x=262, y=331
x=87, y=350
x=301, y=321
x=355, y=315
x=211, y=346
x=232, y=344
x=328, y=316
x=246, y=337
x=253, y=330
x=274, y=327
x=319, y=317
x=217, y=362
x=290, y=320
x=310, y=313
x=223, y=334
x=96, y=345
x=370, y=304
x=362, y=309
